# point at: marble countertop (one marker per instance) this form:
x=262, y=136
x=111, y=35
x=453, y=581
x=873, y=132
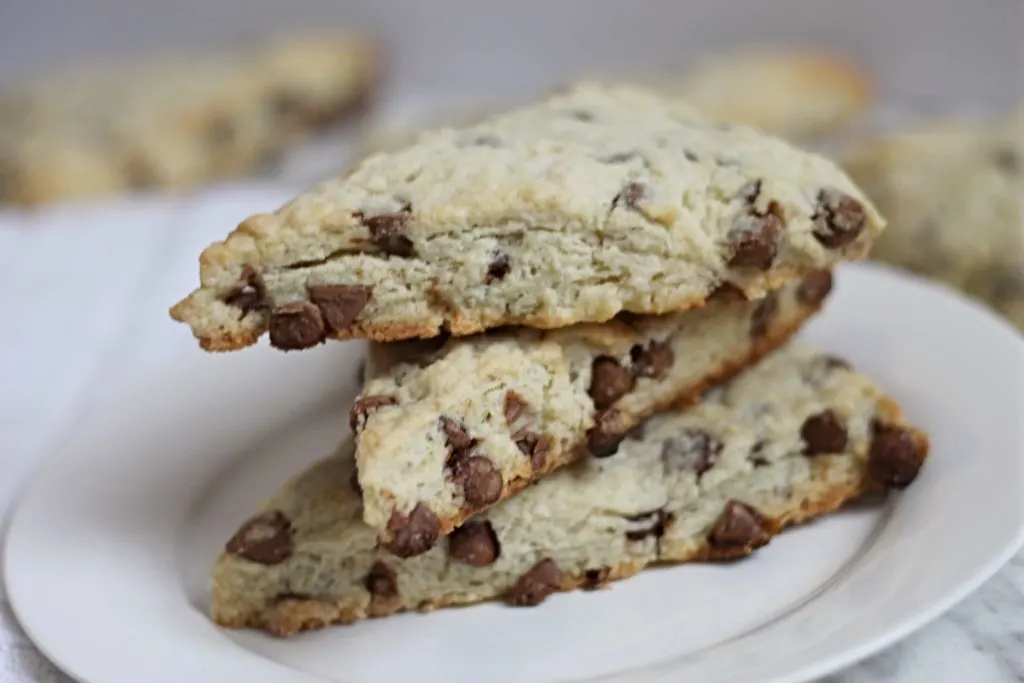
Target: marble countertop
x=85, y=302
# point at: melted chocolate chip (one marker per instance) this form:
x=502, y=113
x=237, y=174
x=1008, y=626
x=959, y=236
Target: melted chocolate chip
x=602, y=441
x=535, y=446
x=514, y=406
x=363, y=407
x=542, y=579
x=381, y=582
x=652, y=361
x=387, y=232
x=609, y=382
x=413, y=534
x=340, y=305
x=498, y=268
x=296, y=325
x=475, y=544
x=824, y=432
x=753, y=241
x=694, y=450
x=596, y=578
x=838, y=219
x=250, y=295
x=894, y=460
x=479, y=478
x=740, y=528
x=265, y=539
x=655, y=522
x=457, y=438
x=814, y=288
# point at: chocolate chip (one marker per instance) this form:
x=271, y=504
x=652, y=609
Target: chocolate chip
x=893, y=460
x=740, y=527
x=754, y=239
x=250, y=295
x=693, y=450
x=823, y=432
x=609, y=381
x=498, y=269
x=690, y=156
x=761, y=318
x=596, y=578
x=1007, y=160
x=537, y=447
x=456, y=437
x=415, y=533
x=653, y=361
x=630, y=195
x=340, y=304
x=474, y=543
x=381, y=582
x=364, y=406
x=756, y=457
x=480, y=480
x=296, y=325
x=629, y=318
x=265, y=538
x=581, y=115
x=514, y=406
x=814, y=288
x=727, y=292
x=542, y=579
x=387, y=232
x=838, y=218
x=601, y=440
x=654, y=524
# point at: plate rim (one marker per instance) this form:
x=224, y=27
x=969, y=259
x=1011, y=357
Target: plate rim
x=187, y=364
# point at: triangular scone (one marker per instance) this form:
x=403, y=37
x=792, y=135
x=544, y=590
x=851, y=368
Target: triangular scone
x=789, y=439
x=174, y=122
x=443, y=433
x=590, y=203
x=954, y=193
x=794, y=95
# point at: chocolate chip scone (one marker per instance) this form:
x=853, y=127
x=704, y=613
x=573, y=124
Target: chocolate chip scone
x=176, y=122
x=794, y=95
x=591, y=203
x=954, y=194
x=789, y=439
x=444, y=432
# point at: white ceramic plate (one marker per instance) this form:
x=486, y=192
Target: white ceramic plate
x=108, y=552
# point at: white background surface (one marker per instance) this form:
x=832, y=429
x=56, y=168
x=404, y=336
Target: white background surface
x=85, y=310
x=943, y=51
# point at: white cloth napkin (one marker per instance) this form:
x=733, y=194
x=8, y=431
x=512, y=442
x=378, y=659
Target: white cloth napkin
x=85, y=291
